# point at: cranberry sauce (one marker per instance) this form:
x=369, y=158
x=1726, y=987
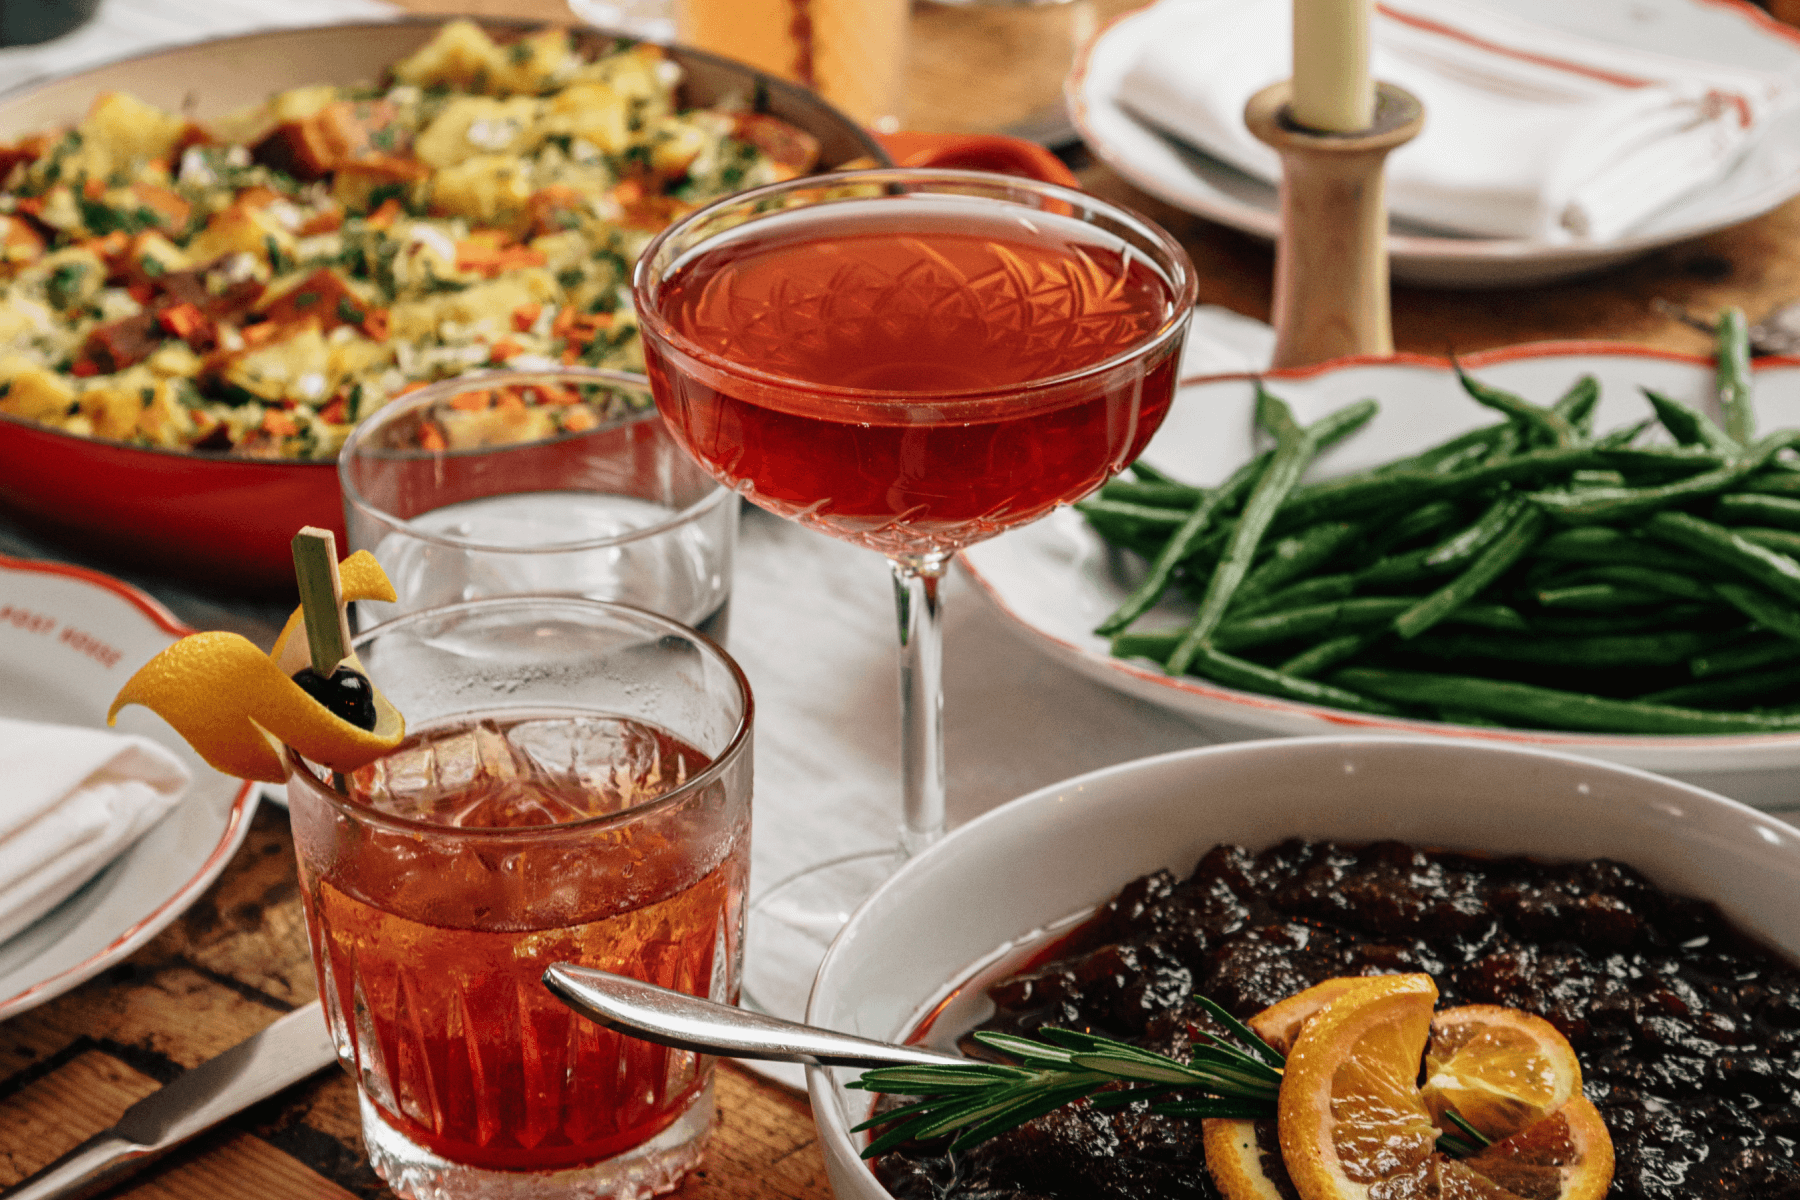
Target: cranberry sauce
x=1688, y=1032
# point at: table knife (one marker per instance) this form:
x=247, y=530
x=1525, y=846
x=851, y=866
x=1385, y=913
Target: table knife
x=285, y=1053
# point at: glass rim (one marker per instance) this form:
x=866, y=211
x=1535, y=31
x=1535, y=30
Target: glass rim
x=735, y=746
x=443, y=389
x=1184, y=282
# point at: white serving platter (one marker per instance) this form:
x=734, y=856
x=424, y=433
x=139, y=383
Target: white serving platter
x=1056, y=580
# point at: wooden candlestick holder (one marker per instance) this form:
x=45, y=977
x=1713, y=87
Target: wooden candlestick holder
x=1331, y=267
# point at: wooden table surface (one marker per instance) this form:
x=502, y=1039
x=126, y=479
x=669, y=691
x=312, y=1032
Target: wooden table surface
x=238, y=959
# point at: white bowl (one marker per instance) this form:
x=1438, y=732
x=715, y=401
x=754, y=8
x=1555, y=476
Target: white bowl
x=1064, y=849
x=1731, y=33
x=1055, y=580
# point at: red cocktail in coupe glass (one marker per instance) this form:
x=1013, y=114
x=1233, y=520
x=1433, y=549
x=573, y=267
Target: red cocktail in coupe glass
x=913, y=361
x=576, y=788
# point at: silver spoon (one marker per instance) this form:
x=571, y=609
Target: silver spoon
x=689, y=1023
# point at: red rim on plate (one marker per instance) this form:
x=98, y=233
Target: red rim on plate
x=237, y=821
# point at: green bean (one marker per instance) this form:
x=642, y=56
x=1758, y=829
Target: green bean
x=1670, y=616
x=1598, y=597
x=1536, y=707
x=1187, y=540
x=1490, y=616
x=1160, y=495
x=1777, y=572
x=1423, y=521
x=1243, y=633
x=1618, y=650
x=1335, y=426
x=1690, y=427
x=1493, y=562
x=1673, y=460
x=1505, y=446
x=1622, y=437
x=1766, y=610
x=1741, y=508
x=1353, y=496
x=1236, y=672
x=1618, y=504
x=1603, y=544
x=1774, y=482
x=1127, y=534
x=1290, y=559
x=1545, y=424
x=1189, y=530
x=1467, y=545
x=1476, y=443
x=1156, y=644
x=1148, y=515
x=1726, y=691
x=1576, y=406
x=1746, y=657
x=1782, y=541
x=1294, y=449
x=1670, y=583
x=1150, y=474
x=1399, y=569
x=1327, y=654
x=1733, y=377
x=1597, y=478
x=1452, y=554
x=1320, y=589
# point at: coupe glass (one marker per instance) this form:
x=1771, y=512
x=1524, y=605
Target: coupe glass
x=912, y=361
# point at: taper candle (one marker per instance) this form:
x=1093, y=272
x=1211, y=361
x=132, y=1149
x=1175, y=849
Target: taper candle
x=1332, y=91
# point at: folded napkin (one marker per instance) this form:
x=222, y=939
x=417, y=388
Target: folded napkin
x=74, y=799
x=1529, y=132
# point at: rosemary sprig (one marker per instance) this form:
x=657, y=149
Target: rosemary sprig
x=980, y=1100
x=1236, y=1079
x=1468, y=1140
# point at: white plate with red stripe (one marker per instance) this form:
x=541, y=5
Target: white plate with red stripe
x=1724, y=31
x=1056, y=580
x=69, y=638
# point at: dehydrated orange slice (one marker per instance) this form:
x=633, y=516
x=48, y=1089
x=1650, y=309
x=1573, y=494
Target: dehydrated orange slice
x=236, y=705
x=1566, y=1156
x=1355, y=1124
x=1244, y=1157
x=1499, y=1069
x=1350, y=1113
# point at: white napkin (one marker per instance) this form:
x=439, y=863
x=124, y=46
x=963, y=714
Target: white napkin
x=1529, y=132
x=73, y=798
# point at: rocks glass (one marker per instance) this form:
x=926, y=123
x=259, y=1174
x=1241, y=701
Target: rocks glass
x=575, y=787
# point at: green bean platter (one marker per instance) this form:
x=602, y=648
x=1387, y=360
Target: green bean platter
x=1583, y=545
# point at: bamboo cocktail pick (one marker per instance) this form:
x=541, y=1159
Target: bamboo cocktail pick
x=321, y=598
x=1331, y=267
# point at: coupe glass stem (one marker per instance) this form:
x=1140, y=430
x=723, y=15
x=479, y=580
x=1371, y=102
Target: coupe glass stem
x=917, y=580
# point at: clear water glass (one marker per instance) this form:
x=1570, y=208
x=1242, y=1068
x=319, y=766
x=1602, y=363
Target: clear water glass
x=455, y=510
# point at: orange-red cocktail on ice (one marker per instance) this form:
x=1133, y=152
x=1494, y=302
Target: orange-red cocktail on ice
x=589, y=803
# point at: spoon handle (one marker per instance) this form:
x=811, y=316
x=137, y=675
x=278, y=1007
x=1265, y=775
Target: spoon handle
x=690, y=1023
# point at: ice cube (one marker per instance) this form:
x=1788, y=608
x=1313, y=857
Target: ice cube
x=541, y=771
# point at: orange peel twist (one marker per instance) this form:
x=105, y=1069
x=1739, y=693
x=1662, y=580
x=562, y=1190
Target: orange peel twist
x=237, y=706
